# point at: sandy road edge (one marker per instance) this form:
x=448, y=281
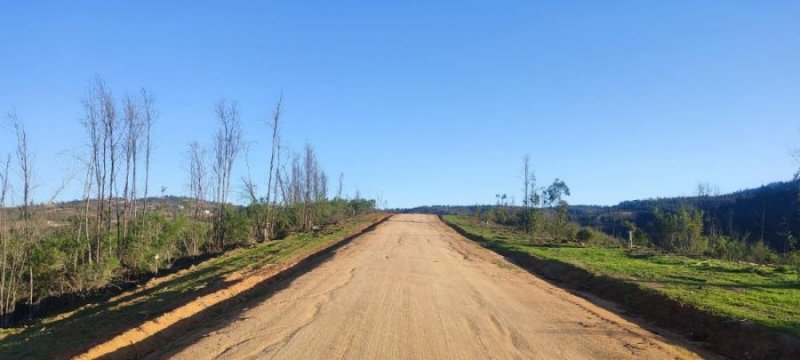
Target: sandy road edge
x=719, y=334
x=268, y=274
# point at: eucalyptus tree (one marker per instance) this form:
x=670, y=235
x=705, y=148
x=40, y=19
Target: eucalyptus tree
x=554, y=195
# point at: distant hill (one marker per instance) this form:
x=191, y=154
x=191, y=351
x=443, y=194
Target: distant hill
x=767, y=212
x=59, y=213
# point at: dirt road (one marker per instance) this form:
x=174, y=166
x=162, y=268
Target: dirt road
x=415, y=289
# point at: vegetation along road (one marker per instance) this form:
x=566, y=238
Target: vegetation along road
x=414, y=288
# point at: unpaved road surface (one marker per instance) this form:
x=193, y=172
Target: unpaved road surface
x=415, y=289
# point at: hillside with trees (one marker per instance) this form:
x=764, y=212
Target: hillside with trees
x=769, y=214
x=118, y=234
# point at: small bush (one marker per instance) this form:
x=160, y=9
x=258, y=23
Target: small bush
x=584, y=235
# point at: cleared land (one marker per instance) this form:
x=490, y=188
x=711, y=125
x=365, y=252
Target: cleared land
x=768, y=295
x=70, y=334
x=413, y=289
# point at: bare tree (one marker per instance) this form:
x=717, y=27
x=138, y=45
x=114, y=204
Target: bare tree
x=12, y=259
x=284, y=184
x=340, y=187
x=249, y=186
x=274, y=153
x=296, y=182
x=25, y=166
x=91, y=123
x=706, y=189
x=276, y=186
x=25, y=163
x=100, y=121
x=198, y=181
x=310, y=186
x=130, y=133
x=227, y=146
x=149, y=114
x=321, y=186
x=530, y=196
x=291, y=181
x=526, y=180
x=87, y=194
x=111, y=126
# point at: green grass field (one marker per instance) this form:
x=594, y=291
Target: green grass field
x=53, y=336
x=768, y=295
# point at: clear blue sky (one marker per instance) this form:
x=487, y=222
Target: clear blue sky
x=431, y=102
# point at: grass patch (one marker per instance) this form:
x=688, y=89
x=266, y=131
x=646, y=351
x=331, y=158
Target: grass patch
x=768, y=295
x=58, y=337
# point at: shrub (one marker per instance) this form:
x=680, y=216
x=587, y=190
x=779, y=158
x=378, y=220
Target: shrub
x=584, y=235
x=761, y=254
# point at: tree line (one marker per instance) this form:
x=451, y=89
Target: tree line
x=758, y=225
x=117, y=233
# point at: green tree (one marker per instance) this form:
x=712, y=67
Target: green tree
x=680, y=231
x=554, y=194
x=795, y=261
x=584, y=235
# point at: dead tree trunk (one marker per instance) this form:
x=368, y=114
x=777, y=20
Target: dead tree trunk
x=149, y=117
x=6, y=291
x=25, y=168
x=228, y=145
x=268, y=226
